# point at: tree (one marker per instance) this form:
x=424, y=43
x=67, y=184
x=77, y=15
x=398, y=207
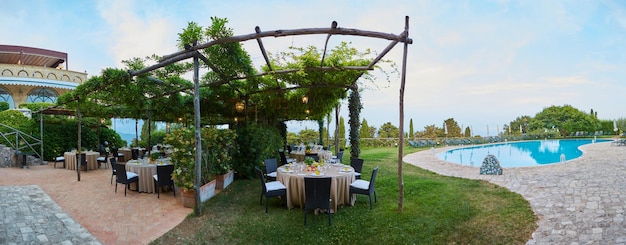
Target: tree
x=365, y=130
x=355, y=106
x=430, y=131
x=388, y=130
x=372, y=131
x=342, y=133
x=411, y=133
x=565, y=118
x=308, y=136
x=468, y=132
x=453, y=128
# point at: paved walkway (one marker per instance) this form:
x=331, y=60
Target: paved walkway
x=582, y=201
x=43, y=205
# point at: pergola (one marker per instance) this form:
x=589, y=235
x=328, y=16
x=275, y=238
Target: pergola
x=193, y=52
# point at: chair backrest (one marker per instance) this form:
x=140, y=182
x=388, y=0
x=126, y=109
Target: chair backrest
x=283, y=158
x=270, y=165
x=134, y=154
x=373, y=179
x=120, y=173
x=357, y=164
x=113, y=162
x=83, y=158
x=317, y=192
x=339, y=155
x=164, y=173
x=262, y=178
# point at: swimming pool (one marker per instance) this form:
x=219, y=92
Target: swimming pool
x=518, y=154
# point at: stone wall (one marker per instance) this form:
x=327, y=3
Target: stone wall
x=9, y=159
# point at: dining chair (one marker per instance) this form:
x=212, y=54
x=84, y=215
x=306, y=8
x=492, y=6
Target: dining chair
x=103, y=159
x=116, y=154
x=339, y=156
x=163, y=178
x=357, y=164
x=113, y=172
x=59, y=159
x=317, y=195
x=365, y=187
x=270, y=189
x=283, y=158
x=270, y=168
x=82, y=161
x=124, y=177
x=134, y=154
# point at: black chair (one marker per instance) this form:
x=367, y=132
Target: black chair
x=117, y=155
x=113, y=172
x=104, y=160
x=283, y=158
x=124, y=177
x=163, y=178
x=270, y=189
x=339, y=156
x=317, y=195
x=58, y=160
x=134, y=154
x=365, y=187
x=270, y=169
x=82, y=161
x=357, y=164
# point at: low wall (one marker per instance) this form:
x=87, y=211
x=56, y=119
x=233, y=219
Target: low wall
x=9, y=159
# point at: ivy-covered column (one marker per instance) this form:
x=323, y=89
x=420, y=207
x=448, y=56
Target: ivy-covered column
x=355, y=106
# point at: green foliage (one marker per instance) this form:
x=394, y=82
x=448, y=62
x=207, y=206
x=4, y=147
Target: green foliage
x=308, y=136
x=342, y=133
x=15, y=119
x=354, y=106
x=365, y=130
x=256, y=143
x=4, y=106
x=388, y=130
x=565, y=118
x=36, y=106
x=218, y=147
x=453, y=128
x=411, y=132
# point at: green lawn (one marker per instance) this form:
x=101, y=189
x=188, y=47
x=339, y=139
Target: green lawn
x=437, y=210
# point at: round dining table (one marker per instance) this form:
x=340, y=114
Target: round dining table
x=92, y=160
x=145, y=170
x=292, y=176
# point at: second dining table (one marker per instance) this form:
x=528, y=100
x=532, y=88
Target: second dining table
x=292, y=176
x=145, y=170
x=92, y=159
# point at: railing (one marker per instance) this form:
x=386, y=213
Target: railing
x=20, y=141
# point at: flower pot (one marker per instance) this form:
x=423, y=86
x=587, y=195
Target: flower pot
x=189, y=197
x=207, y=191
x=223, y=180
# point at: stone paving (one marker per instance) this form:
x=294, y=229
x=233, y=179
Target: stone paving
x=29, y=216
x=581, y=201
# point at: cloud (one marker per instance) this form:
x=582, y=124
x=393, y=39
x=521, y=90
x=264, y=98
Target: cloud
x=136, y=33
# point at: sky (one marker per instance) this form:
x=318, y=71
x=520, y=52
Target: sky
x=482, y=63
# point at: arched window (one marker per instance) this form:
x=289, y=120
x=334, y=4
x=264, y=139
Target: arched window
x=5, y=96
x=42, y=95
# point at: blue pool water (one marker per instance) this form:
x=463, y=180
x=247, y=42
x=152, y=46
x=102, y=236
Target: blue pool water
x=518, y=154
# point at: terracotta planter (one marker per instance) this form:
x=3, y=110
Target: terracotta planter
x=207, y=191
x=224, y=180
x=189, y=197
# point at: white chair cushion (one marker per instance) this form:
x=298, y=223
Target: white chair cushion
x=291, y=160
x=100, y=159
x=131, y=175
x=274, y=185
x=272, y=174
x=59, y=159
x=357, y=174
x=361, y=184
x=156, y=177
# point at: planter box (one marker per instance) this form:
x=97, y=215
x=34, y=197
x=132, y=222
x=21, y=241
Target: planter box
x=207, y=191
x=224, y=180
x=189, y=197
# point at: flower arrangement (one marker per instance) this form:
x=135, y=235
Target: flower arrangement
x=311, y=165
x=154, y=156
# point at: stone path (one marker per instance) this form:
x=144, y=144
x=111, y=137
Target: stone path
x=582, y=201
x=29, y=216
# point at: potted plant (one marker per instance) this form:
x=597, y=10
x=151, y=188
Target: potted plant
x=183, y=158
x=154, y=156
x=218, y=149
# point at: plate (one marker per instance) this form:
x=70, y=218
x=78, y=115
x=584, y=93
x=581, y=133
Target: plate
x=345, y=170
x=287, y=171
x=314, y=174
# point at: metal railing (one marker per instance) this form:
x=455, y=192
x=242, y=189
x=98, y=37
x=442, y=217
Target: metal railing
x=20, y=141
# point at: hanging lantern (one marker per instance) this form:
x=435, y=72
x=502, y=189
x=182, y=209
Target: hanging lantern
x=305, y=99
x=239, y=106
